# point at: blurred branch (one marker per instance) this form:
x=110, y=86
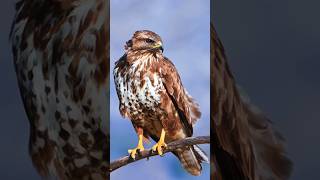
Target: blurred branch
x=123, y=161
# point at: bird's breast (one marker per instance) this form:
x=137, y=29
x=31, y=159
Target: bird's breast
x=140, y=88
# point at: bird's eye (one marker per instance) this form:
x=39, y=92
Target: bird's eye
x=149, y=41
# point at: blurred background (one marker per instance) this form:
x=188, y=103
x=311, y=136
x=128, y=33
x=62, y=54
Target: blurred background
x=185, y=32
x=273, y=50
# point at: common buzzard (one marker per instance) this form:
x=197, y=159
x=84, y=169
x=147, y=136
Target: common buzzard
x=152, y=96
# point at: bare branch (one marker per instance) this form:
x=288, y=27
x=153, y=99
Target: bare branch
x=123, y=161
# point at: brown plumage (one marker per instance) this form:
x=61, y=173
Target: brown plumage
x=61, y=58
x=245, y=145
x=152, y=96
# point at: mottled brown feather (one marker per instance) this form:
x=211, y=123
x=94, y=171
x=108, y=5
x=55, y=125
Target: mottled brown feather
x=65, y=94
x=187, y=109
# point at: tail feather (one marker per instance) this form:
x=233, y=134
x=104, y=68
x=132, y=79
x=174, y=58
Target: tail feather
x=200, y=154
x=191, y=158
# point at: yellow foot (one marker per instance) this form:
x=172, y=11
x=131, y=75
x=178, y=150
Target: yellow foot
x=161, y=145
x=138, y=149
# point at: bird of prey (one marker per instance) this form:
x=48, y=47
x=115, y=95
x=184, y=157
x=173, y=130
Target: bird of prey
x=152, y=96
x=245, y=145
x=61, y=58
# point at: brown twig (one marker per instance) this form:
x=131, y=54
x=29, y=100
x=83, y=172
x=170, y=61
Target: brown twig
x=148, y=153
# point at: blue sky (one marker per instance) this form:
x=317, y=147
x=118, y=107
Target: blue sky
x=184, y=28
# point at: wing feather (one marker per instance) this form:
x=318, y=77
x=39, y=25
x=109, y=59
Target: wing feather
x=245, y=144
x=187, y=109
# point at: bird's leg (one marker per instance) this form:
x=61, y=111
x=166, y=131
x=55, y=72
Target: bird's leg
x=140, y=147
x=160, y=144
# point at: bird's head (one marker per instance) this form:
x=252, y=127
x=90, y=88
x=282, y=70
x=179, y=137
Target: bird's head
x=144, y=40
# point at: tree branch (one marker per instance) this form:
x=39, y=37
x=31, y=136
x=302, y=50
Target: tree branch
x=123, y=161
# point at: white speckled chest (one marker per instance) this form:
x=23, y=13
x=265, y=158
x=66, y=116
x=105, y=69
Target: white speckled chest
x=139, y=89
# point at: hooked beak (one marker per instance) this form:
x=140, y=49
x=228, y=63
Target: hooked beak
x=161, y=48
x=158, y=45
